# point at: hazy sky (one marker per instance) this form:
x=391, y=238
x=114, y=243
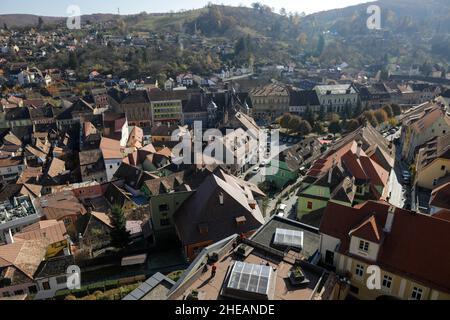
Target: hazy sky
x=59, y=7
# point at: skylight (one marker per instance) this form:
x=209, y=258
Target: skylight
x=250, y=278
x=289, y=238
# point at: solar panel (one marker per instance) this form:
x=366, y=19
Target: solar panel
x=250, y=277
x=287, y=237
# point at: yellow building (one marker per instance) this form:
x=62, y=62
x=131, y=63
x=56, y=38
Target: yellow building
x=433, y=162
x=384, y=252
x=269, y=102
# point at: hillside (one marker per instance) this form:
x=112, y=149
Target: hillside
x=413, y=31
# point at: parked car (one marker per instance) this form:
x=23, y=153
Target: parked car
x=264, y=163
x=255, y=169
x=281, y=210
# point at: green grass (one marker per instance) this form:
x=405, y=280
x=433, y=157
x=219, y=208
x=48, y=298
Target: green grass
x=175, y=276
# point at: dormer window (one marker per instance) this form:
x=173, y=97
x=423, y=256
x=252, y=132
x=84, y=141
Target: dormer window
x=363, y=246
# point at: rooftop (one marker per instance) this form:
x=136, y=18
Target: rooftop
x=260, y=272
x=20, y=207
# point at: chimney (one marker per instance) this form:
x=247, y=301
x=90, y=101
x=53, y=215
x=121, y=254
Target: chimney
x=9, y=237
x=221, y=198
x=252, y=204
x=330, y=172
x=389, y=219
x=358, y=150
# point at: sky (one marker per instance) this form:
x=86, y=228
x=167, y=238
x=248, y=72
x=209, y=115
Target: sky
x=59, y=7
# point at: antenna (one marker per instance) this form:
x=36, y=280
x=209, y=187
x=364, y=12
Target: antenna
x=118, y=11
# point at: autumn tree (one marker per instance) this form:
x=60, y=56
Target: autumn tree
x=388, y=109
x=304, y=128
x=370, y=117
x=351, y=125
x=294, y=123
x=381, y=116
x=283, y=121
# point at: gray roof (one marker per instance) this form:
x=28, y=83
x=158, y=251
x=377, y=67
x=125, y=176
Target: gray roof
x=311, y=239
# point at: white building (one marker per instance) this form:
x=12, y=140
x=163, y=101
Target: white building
x=15, y=215
x=336, y=98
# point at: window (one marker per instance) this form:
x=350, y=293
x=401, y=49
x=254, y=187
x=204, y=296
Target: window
x=32, y=289
x=165, y=221
x=67, y=221
x=163, y=207
x=18, y=292
x=46, y=285
x=387, y=282
x=416, y=293
x=310, y=205
x=443, y=168
x=359, y=270
x=6, y=294
x=110, y=166
x=354, y=290
x=363, y=245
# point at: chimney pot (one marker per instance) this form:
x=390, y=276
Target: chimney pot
x=9, y=237
x=389, y=219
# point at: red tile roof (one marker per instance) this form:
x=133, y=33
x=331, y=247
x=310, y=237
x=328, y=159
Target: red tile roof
x=416, y=247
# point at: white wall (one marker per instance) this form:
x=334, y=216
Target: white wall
x=328, y=243
x=372, y=253
x=111, y=166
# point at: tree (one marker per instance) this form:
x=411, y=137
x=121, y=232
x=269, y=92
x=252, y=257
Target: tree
x=334, y=127
x=294, y=123
x=333, y=117
x=40, y=23
x=5, y=26
x=318, y=128
x=358, y=110
x=370, y=117
x=388, y=109
x=144, y=56
x=396, y=109
x=381, y=116
x=120, y=237
x=351, y=125
x=284, y=120
x=320, y=46
x=73, y=60
x=283, y=11
x=322, y=113
x=304, y=128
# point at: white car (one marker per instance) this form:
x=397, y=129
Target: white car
x=282, y=210
x=255, y=169
x=264, y=163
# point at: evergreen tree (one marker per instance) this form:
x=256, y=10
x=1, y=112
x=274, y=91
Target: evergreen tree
x=334, y=127
x=120, y=237
x=73, y=60
x=40, y=23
